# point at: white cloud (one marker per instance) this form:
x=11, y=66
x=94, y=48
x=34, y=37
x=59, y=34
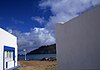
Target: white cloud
x=65, y=10
x=44, y=36
x=39, y=19
x=34, y=39
x=10, y=31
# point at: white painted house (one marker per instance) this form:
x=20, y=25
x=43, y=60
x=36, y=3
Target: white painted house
x=8, y=51
x=78, y=42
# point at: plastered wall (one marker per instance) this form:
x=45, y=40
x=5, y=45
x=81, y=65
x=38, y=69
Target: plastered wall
x=78, y=42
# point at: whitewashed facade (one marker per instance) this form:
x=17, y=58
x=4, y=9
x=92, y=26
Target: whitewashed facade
x=8, y=50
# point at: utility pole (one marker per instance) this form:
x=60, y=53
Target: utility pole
x=25, y=53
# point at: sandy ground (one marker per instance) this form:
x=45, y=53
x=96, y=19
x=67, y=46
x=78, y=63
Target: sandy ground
x=37, y=65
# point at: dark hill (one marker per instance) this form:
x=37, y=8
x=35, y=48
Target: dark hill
x=49, y=49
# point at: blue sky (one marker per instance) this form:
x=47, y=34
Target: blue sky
x=33, y=21
x=17, y=14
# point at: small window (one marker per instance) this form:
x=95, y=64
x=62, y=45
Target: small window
x=8, y=54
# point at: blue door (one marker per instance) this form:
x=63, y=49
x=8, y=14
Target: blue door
x=9, y=54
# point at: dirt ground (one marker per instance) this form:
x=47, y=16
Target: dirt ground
x=37, y=65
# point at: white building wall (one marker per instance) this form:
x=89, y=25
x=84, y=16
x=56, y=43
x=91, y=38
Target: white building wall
x=7, y=39
x=10, y=64
x=78, y=42
x=1, y=56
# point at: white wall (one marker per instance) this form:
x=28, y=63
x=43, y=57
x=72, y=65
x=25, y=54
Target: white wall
x=1, y=56
x=78, y=42
x=7, y=39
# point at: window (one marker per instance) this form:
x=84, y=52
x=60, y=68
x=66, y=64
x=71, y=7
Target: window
x=8, y=54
